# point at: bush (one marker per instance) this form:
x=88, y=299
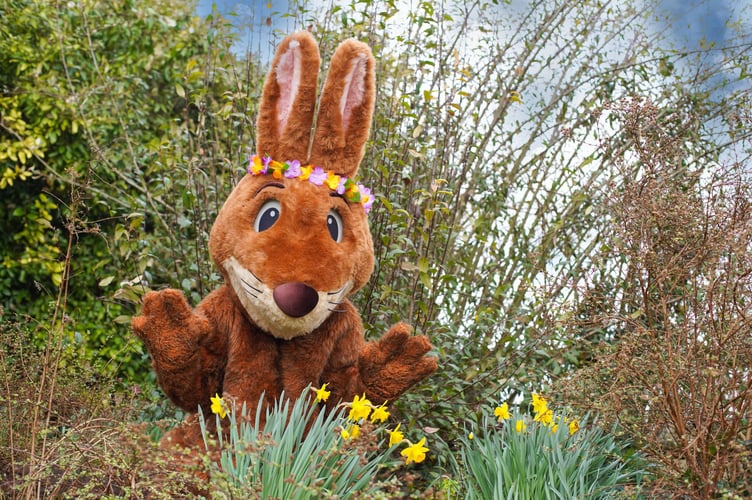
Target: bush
x=546, y=456
x=302, y=450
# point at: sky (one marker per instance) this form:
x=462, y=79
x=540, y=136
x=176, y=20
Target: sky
x=688, y=21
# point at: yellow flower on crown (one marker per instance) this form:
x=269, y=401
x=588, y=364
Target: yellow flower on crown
x=256, y=167
x=332, y=180
x=305, y=172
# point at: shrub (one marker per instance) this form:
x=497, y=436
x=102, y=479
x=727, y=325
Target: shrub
x=547, y=456
x=301, y=450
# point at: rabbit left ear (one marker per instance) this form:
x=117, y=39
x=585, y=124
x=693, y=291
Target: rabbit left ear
x=345, y=110
x=289, y=99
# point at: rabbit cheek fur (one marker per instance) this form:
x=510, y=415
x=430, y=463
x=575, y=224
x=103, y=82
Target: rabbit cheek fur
x=297, y=249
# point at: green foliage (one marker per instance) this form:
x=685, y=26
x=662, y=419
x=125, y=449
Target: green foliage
x=92, y=93
x=495, y=153
x=297, y=453
x=546, y=461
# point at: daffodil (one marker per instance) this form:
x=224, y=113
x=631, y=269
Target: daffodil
x=379, y=414
x=470, y=436
x=520, y=426
x=415, y=452
x=359, y=408
x=395, y=436
x=352, y=432
x=545, y=417
x=574, y=426
x=539, y=403
x=502, y=412
x=321, y=394
x=218, y=406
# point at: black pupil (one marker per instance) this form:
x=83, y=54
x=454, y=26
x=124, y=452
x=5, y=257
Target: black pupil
x=331, y=224
x=268, y=218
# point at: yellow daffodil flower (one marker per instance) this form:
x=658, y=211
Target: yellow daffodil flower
x=470, y=436
x=415, y=452
x=321, y=394
x=352, y=432
x=395, y=436
x=379, y=413
x=545, y=417
x=502, y=412
x=574, y=426
x=520, y=426
x=218, y=406
x=359, y=408
x=539, y=403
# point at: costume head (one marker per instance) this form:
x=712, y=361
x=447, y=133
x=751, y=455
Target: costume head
x=293, y=239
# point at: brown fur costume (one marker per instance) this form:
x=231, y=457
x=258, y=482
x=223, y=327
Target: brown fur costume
x=282, y=320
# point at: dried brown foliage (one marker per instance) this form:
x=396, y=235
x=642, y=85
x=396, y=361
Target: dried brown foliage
x=676, y=374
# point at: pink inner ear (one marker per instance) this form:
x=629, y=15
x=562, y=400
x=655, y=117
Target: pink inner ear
x=355, y=87
x=288, y=79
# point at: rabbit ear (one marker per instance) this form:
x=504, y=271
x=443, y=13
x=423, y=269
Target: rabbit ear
x=289, y=99
x=345, y=110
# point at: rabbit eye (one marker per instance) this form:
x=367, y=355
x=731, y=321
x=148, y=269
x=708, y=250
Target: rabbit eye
x=334, y=225
x=267, y=216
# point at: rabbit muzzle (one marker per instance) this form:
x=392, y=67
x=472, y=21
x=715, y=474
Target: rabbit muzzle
x=287, y=310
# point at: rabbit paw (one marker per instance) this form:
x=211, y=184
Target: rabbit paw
x=168, y=326
x=397, y=361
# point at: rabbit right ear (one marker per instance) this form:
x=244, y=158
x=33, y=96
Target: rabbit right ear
x=289, y=99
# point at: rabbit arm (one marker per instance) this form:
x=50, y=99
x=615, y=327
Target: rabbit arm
x=188, y=351
x=383, y=369
x=394, y=363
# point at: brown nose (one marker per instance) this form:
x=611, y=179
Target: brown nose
x=295, y=299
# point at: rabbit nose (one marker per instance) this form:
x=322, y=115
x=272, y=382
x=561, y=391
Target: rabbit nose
x=295, y=299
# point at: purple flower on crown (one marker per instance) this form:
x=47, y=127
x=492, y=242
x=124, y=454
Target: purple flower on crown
x=318, y=176
x=266, y=161
x=341, y=187
x=293, y=169
x=366, y=197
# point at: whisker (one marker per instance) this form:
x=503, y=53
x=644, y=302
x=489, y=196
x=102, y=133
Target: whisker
x=257, y=290
x=251, y=291
x=337, y=292
x=335, y=310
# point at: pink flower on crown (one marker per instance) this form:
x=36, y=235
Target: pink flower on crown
x=293, y=169
x=318, y=176
x=366, y=198
x=341, y=186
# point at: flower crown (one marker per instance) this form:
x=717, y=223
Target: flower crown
x=292, y=169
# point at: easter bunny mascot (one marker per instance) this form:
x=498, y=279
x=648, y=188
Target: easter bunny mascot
x=292, y=242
